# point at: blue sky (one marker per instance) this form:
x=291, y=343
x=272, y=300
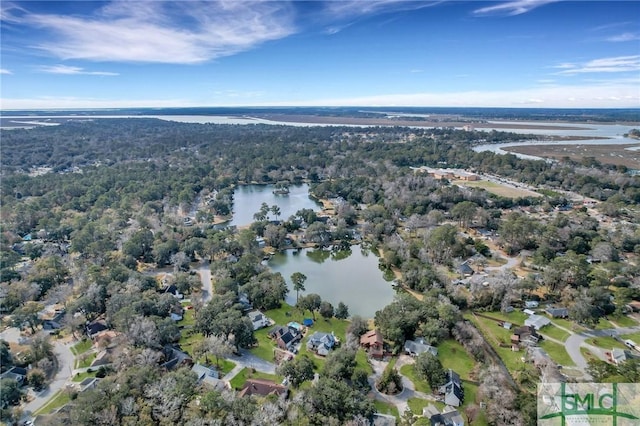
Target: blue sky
x=522, y=53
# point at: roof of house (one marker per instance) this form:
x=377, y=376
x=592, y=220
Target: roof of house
x=621, y=355
x=451, y=418
x=418, y=347
x=16, y=373
x=255, y=316
x=454, y=377
x=537, y=321
x=204, y=372
x=96, y=327
x=464, y=268
x=327, y=339
x=262, y=387
x=557, y=312
x=371, y=338
x=174, y=357
x=287, y=337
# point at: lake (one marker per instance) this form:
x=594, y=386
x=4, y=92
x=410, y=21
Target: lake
x=247, y=200
x=350, y=276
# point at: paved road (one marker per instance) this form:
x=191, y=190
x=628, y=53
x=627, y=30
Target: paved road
x=400, y=401
x=65, y=366
x=204, y=272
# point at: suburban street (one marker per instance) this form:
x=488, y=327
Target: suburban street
x=205, y=278
x=65, y=370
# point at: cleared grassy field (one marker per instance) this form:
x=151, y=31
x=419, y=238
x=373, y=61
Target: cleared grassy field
x=497, y=335
x=557, y=353
x=605, y=343
x=81, y=347
x=452, y=355
x=498, y=189
x=555, y=332
x=624, y=321
x=420, y=385
x=633, y=336
x=387, y=408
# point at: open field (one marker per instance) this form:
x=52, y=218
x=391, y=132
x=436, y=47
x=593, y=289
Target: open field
x=498, y=189
x=607, y=154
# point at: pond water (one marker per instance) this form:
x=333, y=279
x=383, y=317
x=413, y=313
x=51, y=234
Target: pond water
x=348, y=276
x=247, y=200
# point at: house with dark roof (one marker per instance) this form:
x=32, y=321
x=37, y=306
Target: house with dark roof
x=416, y=347
x=262, y=387
x=18, y=374
x=620, y=356
x=285, y=337
x=557, y=312
x=452, y=389
x=175, y=358
x=321, y=343
x=526, y=335
x=465, y=270
x=447, y=418
x=95, y=327
x=373, y=343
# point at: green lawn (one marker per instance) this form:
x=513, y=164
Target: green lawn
x=603, y=324
x=386, y=408
x=605, y=342
x=188, y=338
x=624, y=321
x=189, y=317
x=240, y=379
x=81, y=347
x=416, y=405
x=81, y=376
x=420, y=385
x=452, y=355
x=568, y=324
x=495, y=336
x=557, y=352
x=85, y=360
x=555, y=332
x=633, y=336
x=59, y=399
x=516, y=317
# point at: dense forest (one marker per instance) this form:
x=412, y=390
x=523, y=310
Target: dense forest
x=102, y=198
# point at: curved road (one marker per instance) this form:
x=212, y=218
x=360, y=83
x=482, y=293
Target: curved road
x=65, y=369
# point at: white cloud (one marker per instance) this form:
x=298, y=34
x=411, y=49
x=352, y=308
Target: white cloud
x=164, y=32
x=624, y=37
x=5, y=71
x=351, y=8
x=616, y=94
x=69, y=70
x=606, y=65
x=512, y=8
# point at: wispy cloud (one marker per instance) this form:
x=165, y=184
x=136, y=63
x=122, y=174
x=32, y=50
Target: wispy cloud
x=164, y=32
x=611, y=26
x=624, y=37
x=512, y=8
x=603, y=65
x=351, y=8
x=69, y=70
x=5, y=71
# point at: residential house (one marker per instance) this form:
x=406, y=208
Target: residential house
x=245, y=303
x=537, y=321
x=321, y=343
x=452, y=389
x=18, y=374
x=209, y=376
x=105, y=338
x=526, y=335
x=88, y=384
x=557, y=312
x=531, y=304
x=258, y=319
x=175, y=358
x=373, y=343
x=104, y=357
x=173, y=290
x=95, y=327
x=465, y=270
x=449, y=416
x=416, y=347
x=620, y=356
x=286, y=337
x=262, y=387
x=176, y=312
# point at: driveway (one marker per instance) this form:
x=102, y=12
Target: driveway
x=247, y=359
